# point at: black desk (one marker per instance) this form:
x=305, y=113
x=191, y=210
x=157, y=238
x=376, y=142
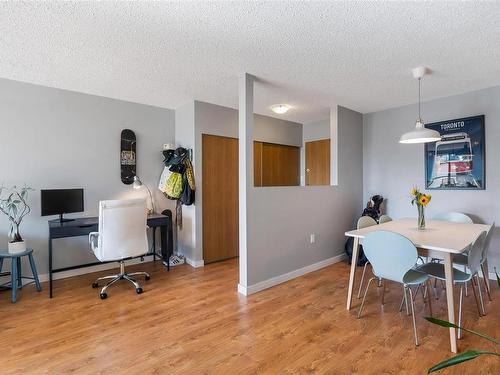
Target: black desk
x=83, y=226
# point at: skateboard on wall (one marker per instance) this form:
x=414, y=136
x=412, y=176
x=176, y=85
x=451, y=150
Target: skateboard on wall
x=128, y=156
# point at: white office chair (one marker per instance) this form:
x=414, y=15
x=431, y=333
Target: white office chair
x=122, y=235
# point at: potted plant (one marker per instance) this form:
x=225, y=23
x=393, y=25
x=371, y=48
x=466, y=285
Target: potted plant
x=469, y=354
x=13, y=205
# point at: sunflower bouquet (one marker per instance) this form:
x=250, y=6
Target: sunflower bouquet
x=421, y=200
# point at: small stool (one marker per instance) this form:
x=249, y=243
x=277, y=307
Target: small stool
x=16, y=275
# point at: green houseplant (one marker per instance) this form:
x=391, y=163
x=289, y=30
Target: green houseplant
x=469, y=354
x=13, y=205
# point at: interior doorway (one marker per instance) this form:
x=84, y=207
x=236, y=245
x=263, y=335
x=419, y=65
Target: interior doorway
x=220, y=198
x=317, y=162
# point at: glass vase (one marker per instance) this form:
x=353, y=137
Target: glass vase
x=421, y=217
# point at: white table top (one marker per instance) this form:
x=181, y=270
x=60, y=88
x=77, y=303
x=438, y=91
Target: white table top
x=437, y=235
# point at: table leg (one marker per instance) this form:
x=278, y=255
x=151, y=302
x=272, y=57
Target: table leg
x=154, y=243
x=165, y=248
x=13, y=282
x=35, y=274
x=19, y=273
x=50, y=267
x=354, y=264
x=448, y=271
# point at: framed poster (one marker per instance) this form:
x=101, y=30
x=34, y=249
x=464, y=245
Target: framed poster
x=457, y=161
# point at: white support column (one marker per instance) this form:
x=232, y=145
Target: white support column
x=245, y=131
x=334, y=145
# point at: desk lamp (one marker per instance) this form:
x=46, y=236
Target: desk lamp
x=137, y=184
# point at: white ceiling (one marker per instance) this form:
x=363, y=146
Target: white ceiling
x=310, y=55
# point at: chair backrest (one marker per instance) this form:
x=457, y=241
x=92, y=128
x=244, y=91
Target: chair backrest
x=454, y=217
x=384, y=219
x=487, y=241
x=122, y=229
x=475, y=253
x=390, y=254
x=365, y=221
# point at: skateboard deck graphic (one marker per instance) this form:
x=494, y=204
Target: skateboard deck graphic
x=128, y=156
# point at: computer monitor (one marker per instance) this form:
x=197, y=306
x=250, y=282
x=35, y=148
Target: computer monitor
x=61, y=201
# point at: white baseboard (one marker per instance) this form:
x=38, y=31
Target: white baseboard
x=195, y=263
x=96, y=268
x=251, y=289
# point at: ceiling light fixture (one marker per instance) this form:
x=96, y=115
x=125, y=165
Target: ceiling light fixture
x=421, y=134
x=280, y=108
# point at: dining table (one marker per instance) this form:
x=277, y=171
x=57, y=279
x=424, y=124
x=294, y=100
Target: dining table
x=440, y=240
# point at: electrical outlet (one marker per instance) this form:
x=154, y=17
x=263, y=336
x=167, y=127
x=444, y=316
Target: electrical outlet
x=312, y=238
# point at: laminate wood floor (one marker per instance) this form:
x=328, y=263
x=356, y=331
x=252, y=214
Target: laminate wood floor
x=192, y=321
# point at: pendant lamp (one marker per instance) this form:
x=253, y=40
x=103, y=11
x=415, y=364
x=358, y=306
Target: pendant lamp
x=420, y=134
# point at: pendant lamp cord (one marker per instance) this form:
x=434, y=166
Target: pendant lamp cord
x=420, y=119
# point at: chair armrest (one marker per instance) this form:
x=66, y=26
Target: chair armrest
x=93, y=236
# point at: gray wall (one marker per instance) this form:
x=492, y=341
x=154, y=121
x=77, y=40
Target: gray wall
x=185, y=137
x=281, y=219
x=313, y=131
x=391, y=168
x=206, y=118
x=60, y=139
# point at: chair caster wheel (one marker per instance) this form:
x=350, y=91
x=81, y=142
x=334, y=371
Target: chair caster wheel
x=147, y=278
x=103, y=295
x=95, y=285
x=138, y=290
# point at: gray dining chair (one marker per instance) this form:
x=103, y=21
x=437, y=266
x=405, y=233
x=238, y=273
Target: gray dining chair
x=364, y=222
x=436, y=270
x=393, y=257
x=384, y=219
x=462, y=260
x=454, y=217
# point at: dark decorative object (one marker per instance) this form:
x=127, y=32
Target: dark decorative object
x=457, y=161
x=128, y=156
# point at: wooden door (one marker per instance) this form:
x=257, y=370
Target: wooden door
x=257, y=163
x=280, y=165
x=220, y=198
x=318, y=162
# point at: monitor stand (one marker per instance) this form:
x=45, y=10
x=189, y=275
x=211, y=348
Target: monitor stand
x=63, y=220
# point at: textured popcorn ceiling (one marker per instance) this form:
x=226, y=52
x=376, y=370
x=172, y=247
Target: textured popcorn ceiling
x=309, y=55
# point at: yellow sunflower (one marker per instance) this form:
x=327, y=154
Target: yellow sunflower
x=414, y=191
x=424, y=200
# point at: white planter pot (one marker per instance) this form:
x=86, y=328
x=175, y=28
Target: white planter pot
x=17, y=247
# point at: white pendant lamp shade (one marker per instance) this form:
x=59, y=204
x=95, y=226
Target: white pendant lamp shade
x=420, y=134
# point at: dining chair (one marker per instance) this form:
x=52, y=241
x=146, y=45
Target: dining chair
x=393, y=257
x=454, y=217
x=462, y=260
x=436, y=270
x=364, y=222
x=384, y=219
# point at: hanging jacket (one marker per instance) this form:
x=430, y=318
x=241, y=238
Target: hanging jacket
x=174, y=185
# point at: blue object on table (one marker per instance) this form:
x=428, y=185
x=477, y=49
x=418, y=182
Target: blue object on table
x=16, y=274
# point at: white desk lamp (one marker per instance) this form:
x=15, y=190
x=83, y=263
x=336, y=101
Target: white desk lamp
x=137, y=184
